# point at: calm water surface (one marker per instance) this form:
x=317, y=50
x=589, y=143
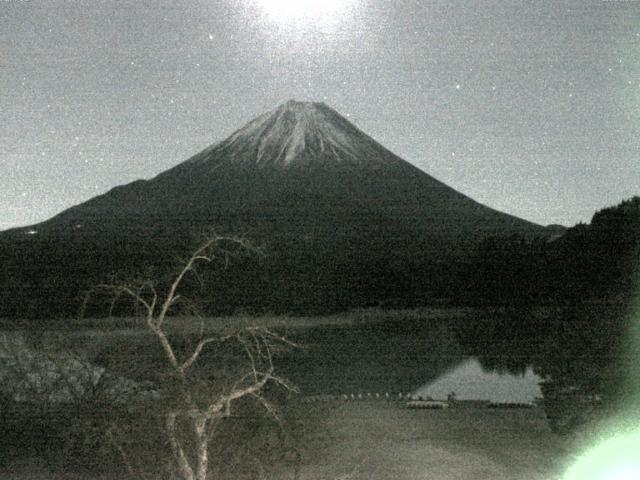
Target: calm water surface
x=420, y=356
x=412, y=356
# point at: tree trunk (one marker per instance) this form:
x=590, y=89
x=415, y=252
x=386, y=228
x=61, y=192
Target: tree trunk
x=182, y=462
x=202, y=447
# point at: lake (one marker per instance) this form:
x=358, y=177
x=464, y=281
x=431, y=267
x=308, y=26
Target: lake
x=394, y=353
x=420, y=356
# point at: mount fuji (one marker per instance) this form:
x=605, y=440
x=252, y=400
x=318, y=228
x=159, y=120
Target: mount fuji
x=344, y=221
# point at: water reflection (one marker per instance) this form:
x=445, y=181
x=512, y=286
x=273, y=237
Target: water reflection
x=470, y=382
x=423, y=357
x=395, y=356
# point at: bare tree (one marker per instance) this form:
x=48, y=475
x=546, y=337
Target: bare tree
x=192, y=416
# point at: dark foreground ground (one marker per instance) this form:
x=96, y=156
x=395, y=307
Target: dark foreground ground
x=379, y=440
x=371, y=440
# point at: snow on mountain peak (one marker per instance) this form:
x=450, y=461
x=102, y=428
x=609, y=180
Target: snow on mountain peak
x=300, y=133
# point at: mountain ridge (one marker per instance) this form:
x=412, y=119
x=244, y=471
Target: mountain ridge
x=297, y=150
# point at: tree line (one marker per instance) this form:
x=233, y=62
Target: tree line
x=589, y=262
x=566, y=307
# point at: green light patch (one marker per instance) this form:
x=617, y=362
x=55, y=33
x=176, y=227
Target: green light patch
x=615, y=459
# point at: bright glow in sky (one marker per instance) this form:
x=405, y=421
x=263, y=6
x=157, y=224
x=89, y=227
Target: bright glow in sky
x=299, y=11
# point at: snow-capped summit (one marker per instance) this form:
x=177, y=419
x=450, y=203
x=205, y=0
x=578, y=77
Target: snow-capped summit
x=297, y=134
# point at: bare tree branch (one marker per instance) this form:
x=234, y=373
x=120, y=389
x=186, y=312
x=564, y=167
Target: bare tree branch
x=194, y=356
x=270, y=409
x=133, y=471
x=258, y=345
x=198, y=255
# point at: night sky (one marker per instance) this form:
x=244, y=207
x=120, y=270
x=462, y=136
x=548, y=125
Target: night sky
x=530, y=107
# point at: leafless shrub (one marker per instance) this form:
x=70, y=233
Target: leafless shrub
x=195, y=400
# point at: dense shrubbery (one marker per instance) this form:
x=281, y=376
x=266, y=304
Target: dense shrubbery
x=112, y=424
x=588, y=278
x=107, y=438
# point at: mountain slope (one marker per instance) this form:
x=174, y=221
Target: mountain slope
x=344, y=220
x=301, y=156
